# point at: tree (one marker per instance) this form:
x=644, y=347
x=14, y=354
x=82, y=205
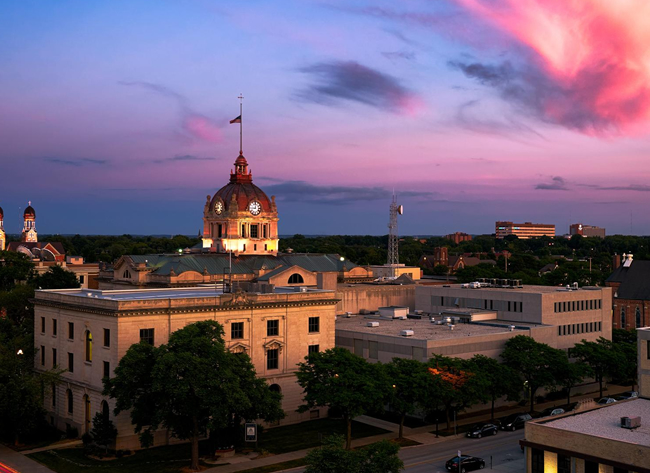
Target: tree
x=56, y=278
x=568, y=374
x=103, y=432
x=13, y=267
x=380, y=457
x=624, y=343
x=340, y=380
x=191, y=384
x=600, y=358
x=501, y=380
x=533, y=361
x=455, y=383
x=408, y=381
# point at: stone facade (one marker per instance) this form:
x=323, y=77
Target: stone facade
x=116, y=320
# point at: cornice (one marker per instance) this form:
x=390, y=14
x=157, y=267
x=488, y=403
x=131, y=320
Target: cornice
x=181, y=309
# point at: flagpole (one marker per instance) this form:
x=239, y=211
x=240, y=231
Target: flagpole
x=241, y=148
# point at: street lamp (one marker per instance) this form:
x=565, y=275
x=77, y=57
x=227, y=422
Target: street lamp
x=19, y=352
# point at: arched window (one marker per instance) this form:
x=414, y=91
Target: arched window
x=637, y=316
x=623, y=317
x=126, y=274
x=296, y=279
x=68, y=395
x=89, y=346
x=275, y=388
x=105, y=410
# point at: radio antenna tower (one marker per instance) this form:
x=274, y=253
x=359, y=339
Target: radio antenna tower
x=393, y=239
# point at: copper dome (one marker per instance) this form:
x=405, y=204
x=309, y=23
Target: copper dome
x=241, y=190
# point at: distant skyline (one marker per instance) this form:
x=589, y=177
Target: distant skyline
x=115, y=114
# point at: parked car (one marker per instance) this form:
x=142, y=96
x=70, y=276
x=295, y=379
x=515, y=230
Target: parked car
x=467, y=463
x=628, y=395
x=606, y=400
x=515, y=421
x=481, y=430
x=552, y=411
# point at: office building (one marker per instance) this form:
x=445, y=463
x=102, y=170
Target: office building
x=524, y=230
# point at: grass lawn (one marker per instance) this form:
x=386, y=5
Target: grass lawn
x=310, y=434
x=168, y=459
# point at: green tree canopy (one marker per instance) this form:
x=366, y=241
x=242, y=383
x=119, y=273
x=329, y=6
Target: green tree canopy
x=380, y=457
x=533, y=361
x=600, y=357
x=408, y=381
x=14, y=267
x=56, y=278
x=191, y=384
x=500, y=380
x=345, y=382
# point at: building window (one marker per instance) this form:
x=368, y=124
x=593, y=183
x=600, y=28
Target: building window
x=71, y=330
x=358, y=347
x=42, y=355
x=647, y=350
x=272, y=328
x=54, y=327
x=107, y=369
x=42, y=324
x=537, y=461
x=107, y=337
x=82, y=278
x=373, y=350
x=53, y=357
x=314, y=324
x=637, y=317
x=592, y=467
x=126, y=274
x=71, y=362
x=316, y=349
x=236, y=330
x=89, y=346
x=105, y=411
x=563, y=464
x=296, y=279
x=623, y=321
x=70, y=400
x=147, y=336
x=254, y=231
x=272, y=359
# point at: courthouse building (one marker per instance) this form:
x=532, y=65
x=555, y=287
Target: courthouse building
x=87, y=332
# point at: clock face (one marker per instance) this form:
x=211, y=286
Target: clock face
x=255, y=207
x=218, y=207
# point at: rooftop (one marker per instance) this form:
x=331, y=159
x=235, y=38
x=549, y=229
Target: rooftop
x=423, y=328
x=528, y=289
x=605, y=422
x=158, y=294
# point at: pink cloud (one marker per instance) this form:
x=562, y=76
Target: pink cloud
x=594, y=54
x=202, y=128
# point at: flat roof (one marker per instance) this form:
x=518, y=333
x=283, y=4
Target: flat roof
x=605, y=422
x=423, y=328
x=528, y=289
x=165, y=293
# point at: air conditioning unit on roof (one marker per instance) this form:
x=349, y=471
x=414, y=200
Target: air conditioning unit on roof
x=407, y=333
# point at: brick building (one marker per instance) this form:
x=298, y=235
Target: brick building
x=457, y=237
x=586, y=230
x=630, y=283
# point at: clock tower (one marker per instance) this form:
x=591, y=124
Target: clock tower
x=240, y=218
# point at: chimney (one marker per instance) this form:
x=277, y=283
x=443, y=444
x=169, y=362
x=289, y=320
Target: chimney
x=616, y=261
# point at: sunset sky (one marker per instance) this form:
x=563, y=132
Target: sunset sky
x=114, y=114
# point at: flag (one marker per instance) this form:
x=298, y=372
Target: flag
x=236, y=120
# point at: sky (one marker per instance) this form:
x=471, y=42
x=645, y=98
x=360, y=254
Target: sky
x=114, y=115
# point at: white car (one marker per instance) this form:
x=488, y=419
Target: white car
x=606, y=400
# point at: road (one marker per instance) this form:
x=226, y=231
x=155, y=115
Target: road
x=504, y=448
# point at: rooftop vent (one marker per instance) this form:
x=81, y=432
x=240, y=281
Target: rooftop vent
x=372, y=324
x=511, y=328
x=419, y=312
x=630, y=422
x=451, y=326
x=407, y=333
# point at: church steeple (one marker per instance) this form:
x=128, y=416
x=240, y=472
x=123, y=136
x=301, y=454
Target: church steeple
x=3, y=237
x=29, y=225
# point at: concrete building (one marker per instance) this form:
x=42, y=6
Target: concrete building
x=388, y=271
x=630, y=283
x=470, y=321
x=524, y=230
x=457, y=237
x=87, y=332
x=586, y=230
x=598, y=439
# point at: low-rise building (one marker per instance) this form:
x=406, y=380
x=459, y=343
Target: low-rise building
x=614, y=438
x=524, y=230
x=87, y=332
x=630, y=283
x=458, y=237
x=586, y=230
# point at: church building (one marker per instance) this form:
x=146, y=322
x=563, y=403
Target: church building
x=3, y=235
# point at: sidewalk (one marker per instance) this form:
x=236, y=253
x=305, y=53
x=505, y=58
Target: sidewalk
x=20, y=462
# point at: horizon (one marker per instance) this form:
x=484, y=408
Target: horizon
x=116, y=114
